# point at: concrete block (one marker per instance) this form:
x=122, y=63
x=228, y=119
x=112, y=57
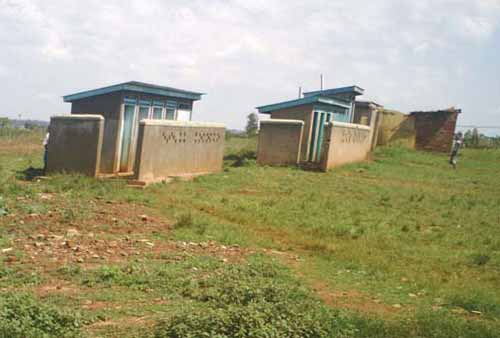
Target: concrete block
x=344, y=143
x=280, y=142
x=75, y=144
x=175, y=148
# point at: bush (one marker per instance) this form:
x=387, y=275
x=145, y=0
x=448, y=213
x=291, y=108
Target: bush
x=22, y=316
x=253, y=301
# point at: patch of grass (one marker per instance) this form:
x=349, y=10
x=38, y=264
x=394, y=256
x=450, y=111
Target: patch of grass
x=258, y=300
x=23, y=316
x=477, y=301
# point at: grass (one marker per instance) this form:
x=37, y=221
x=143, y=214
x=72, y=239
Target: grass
x=400, y=246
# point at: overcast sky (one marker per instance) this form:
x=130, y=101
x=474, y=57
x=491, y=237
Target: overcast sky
x=406, y=54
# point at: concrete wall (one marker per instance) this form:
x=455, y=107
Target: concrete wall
x=396, y=128
x=303, y=113
x=369, y=114
x=173, y=148
x=110, y=106
x=280, y=142
x=344, y=143
x=75, y=144
x=435, y=129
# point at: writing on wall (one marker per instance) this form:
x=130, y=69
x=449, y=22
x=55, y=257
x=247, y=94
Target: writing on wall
x=350, y=135
x=197, y=137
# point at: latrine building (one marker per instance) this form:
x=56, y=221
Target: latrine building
x=316, y=109
x=123, y=106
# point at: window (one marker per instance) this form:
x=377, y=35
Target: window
x=184, y=106
x=143, y=113
x=171, y=108
x=157, y=113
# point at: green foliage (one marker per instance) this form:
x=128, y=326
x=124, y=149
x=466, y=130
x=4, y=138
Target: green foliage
x=187, y=222
x=252, y=124
x=256, y=300
x=22, y=316
x=476, y=300
x=3, y=207
x=426, y=324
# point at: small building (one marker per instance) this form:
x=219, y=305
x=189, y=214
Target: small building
x=316, y=109
x=123, y=106
x=434, y=130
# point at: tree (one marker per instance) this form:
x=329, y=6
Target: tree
x=5, y=122
x=252, y=124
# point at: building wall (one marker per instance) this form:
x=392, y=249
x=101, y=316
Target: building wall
x=75, y=144
x=280, y=142
x=173, y=148
x=435, y=129
x=369, y=114
x=303, y=113
x=396, y=128
x=109, y=106
x=344, y=143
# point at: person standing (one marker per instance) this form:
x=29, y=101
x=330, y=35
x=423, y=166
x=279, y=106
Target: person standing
x=46, y=152
x=458, y=141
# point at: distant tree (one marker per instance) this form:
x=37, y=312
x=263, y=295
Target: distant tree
x=252, y=124
x=475, y=137
x=5, y=122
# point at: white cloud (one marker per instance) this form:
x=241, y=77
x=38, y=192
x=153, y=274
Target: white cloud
x=407, y=54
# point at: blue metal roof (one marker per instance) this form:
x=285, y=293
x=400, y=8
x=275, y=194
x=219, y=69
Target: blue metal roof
x=355, y=90
x=136, y=86
x=303, y=101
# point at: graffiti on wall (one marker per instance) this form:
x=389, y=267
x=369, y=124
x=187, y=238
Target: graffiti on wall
x=350, y=135
x=197, y=137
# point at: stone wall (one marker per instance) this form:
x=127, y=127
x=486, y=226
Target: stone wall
x=396, y=128
x=435, y=129
x=344, y=143
x=75, y=144
x=168, y=148
x=280, y=142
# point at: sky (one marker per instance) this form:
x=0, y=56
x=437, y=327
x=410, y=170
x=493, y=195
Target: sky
x=408, y=55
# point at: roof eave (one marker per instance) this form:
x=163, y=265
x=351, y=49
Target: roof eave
x=267, y=109
x=136, y=88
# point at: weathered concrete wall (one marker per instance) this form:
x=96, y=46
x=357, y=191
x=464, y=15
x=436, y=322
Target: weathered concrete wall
x=173, y=148
x=396, y=128
x=435, y=129
x=280, y=142
x=110, y=106
x=75, y=144
x=344, y=143
x=369, y=114
x=303, y=113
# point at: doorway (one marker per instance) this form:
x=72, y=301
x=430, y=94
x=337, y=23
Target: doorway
x=126, y=136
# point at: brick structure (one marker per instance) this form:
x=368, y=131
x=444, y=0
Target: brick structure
x=435, y=129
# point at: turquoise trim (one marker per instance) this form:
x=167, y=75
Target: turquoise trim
x=355, y=90
x=144, y=102
x=158, y=103
x=313, y=136
x=320, y=136
x=139, y=87
x=303, y=101
x=129, y=101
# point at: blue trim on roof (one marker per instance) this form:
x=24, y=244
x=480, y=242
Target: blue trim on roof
x=139, y=87
x=333, y=91
x=300, y=102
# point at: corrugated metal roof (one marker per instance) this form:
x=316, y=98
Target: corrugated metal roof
x=136, y=86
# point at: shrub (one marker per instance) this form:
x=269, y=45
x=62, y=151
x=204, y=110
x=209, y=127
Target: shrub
x=22, y=316
x=257, y=300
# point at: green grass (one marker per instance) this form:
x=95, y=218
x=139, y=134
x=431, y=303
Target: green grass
x=414, y=243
